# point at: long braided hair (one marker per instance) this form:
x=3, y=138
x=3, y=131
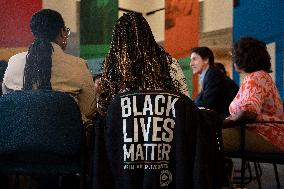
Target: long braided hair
x=45, y=26
x=135, y=61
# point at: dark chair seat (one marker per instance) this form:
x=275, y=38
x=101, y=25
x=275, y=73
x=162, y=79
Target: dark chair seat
x=41, y=133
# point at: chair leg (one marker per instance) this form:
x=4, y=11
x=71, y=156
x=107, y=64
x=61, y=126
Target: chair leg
x=276, y=175
x=60, y=181
x=250, y=173
x=257, y=174
x=17, y=182
x=260, y=170
x=242, y=172
x=247, y=178
x=82, y=181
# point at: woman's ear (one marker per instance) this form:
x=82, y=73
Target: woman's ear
x=63, y=33
x=206, y=60
x=61, y=39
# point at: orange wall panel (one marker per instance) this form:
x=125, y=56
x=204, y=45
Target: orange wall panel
x=181, y=31
x=181, y=27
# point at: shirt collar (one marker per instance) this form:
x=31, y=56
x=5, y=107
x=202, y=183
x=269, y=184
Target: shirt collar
x=56, y=47
x=202, y=75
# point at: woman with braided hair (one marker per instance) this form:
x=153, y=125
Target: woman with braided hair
x=46, y=66
x=136, y=62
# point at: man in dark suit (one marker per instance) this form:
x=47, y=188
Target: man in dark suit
x=213, y=94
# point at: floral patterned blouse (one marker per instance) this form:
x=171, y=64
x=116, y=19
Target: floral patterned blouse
x=259, y=94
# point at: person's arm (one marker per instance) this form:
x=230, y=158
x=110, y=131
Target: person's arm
x=243, y=116
x=198, y=100
x=5, y=89
x=87, y=97
x=247, y=105
x=232, y=121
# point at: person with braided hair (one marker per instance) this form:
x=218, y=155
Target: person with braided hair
x=136, y=62
x=149, y=132
x=46, y=66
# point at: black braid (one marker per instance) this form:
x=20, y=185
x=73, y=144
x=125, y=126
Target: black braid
x=135, y=61
x=45, y=26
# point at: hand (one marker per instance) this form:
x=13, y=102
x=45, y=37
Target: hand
x=229, y=123
x=203, y=108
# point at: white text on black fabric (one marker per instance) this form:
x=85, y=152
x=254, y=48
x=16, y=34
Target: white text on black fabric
x=148, y=130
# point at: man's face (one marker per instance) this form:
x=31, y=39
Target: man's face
x=98, y=85
x=197, y=63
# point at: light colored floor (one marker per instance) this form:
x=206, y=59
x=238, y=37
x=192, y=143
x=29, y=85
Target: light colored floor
x=268, y=178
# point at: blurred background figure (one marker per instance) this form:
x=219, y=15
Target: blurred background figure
x=213, y=93
x=98, y=86
x=231, y=87
x=136, y=62
x=257, y=99
x=97, y=81
x=3, y=67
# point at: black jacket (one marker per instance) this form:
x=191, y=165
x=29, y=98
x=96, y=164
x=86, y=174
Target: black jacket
x=149, y=139
x=214, y=95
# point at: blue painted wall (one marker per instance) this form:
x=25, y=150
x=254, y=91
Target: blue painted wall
x=264, y=20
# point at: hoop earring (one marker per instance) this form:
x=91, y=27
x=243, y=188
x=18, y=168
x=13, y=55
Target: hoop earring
x=65, y=40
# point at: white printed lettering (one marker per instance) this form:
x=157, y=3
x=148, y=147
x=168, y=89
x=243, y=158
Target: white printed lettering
x=171, y=123
x=124, y=132
x=130, y=153
x=147, y=105
x=156, y=128
x=135, y=112
x=139, y=153
x=125, y=107
x=145, y=130
x=158, y=104
x=171, y=106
